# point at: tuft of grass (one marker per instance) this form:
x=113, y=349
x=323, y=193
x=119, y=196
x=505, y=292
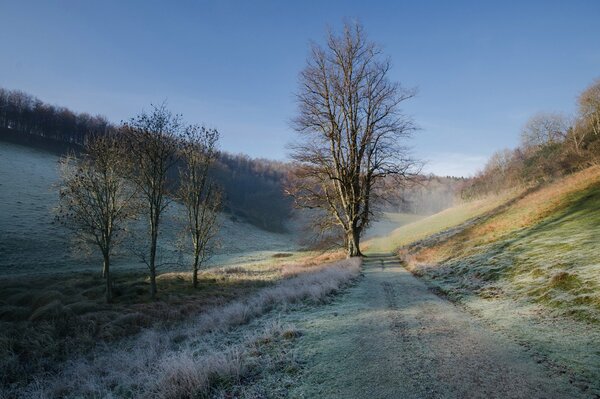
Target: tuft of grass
x=50, y=311
x=282, y=255
x=564, y=281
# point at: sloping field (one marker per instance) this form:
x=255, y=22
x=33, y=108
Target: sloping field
x=531, y=269
x=420, y=228
x=543, y=247
x=389, y=222
x=31, y=242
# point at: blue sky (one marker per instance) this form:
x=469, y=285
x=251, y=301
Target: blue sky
x=481, y=67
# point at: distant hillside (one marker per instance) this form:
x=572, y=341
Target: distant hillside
x=32, y=242
x=253, y=187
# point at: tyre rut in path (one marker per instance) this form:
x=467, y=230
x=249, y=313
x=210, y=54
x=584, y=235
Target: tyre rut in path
x=390, y=337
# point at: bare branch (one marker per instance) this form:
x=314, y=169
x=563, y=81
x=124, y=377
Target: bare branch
x=353, y=133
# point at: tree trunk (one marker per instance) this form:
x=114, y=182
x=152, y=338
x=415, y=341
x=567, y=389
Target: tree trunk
x=353, y=244
x=106, y=274
x=105, y=265
x=152, y=265
x=195, y=271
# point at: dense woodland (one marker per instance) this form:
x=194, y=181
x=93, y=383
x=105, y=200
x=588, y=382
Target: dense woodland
x=552, y=145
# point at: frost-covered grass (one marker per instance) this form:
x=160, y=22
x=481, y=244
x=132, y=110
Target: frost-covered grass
x=531, y=269
x=195, y=358
x=48, y=319
x=543, y=248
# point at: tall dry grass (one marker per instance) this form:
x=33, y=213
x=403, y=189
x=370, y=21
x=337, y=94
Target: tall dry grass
x=193, y=358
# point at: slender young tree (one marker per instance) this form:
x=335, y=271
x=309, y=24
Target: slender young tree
x=199, y=194
x=152, y=140
x=352, y=133
x=95, y=198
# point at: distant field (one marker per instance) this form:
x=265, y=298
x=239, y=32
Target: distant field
x=31, y=242
x=416, y=228
x=389, y=222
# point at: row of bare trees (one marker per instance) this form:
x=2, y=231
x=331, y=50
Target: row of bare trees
x=552, y=145
x=125, y=175
x=253, y=187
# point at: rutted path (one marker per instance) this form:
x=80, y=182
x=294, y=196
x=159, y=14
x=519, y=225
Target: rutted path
x=390, y=337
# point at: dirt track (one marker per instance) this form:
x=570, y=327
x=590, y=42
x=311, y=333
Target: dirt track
x=390, y=337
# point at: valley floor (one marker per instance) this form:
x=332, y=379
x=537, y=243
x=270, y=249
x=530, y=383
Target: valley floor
x=389, y=336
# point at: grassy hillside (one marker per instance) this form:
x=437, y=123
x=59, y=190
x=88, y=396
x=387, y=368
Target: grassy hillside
x=543, y=247
x=418, y=228
x=32, y=243
x=389, y=222
x=527, y=264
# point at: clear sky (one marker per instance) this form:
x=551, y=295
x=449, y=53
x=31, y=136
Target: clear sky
x=481, y=67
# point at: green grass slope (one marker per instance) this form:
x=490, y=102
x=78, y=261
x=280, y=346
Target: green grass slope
x=543, y=247
x=389, y=222
x=420, y=228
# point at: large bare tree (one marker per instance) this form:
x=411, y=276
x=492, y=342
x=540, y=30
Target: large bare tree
x=589, y=106
x=95, y=198
x=152, y=140
x=352, y=133
x=199, y=194
x=544, y=128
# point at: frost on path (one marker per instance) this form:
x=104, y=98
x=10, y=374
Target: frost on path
x=390, y=337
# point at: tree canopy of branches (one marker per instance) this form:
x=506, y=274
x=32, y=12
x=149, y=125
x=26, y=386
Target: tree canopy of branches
x=152, y=140
x=199, y=194
x=544, y=128
x=352, y=133
x=589, y=107
x=95, y=198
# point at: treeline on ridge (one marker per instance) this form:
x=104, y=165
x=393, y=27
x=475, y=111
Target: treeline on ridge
x=552, y=145
x=252, y=187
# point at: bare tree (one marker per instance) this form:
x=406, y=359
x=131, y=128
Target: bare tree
x=199, y=194
x=95, y=199
x=544, y=128
x=352, y=133
x=589, y=106
x=153, y=141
